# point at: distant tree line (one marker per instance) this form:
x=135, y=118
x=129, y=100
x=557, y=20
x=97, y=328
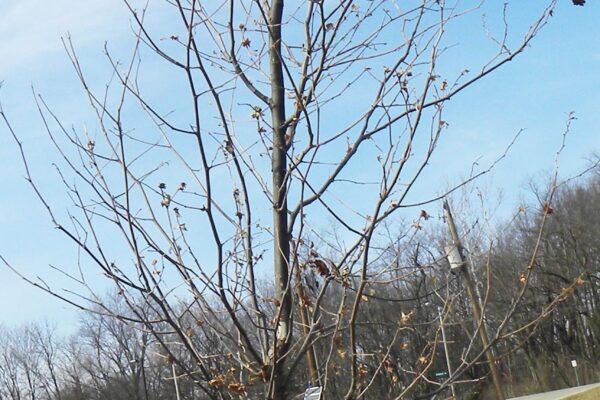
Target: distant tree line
x=405, y=308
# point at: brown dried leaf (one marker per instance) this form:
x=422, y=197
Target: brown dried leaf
x=237, y=388
x=273, y=300
x=166, y=201
x=547, y=209
x=362, y=370
x=321, y=267
x=217, y=381
x=257, y=113
x=264, y=373
x=405, y=318
x=305, y=301
x=229, y=146
x=388, y=365
x=335, y=368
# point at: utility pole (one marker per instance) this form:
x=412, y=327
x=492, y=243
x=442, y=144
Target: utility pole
x=458, y=262
x=448, y=364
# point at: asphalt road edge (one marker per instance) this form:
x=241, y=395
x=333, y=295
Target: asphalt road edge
x=592, y=394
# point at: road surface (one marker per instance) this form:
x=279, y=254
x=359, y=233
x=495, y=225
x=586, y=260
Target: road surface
x=561, y=394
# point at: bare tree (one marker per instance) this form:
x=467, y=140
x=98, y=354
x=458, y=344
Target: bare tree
x=295, y=132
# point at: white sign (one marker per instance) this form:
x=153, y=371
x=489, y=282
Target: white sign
x=454, y=257
x=313, y=393
x=574, y=363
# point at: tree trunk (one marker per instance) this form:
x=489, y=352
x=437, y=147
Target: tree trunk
x=281, y=248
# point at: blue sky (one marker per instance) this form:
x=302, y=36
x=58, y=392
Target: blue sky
x=558, y=74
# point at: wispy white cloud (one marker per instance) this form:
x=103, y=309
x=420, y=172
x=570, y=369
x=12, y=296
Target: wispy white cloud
x=31, y=29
